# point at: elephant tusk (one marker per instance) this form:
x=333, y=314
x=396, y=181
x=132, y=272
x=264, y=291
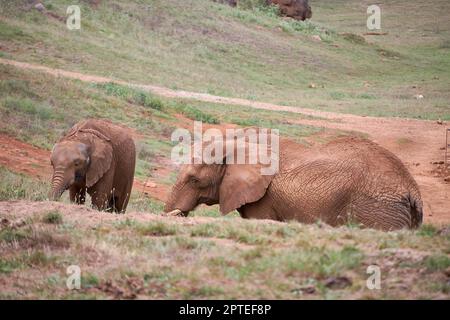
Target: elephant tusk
x=176, y=212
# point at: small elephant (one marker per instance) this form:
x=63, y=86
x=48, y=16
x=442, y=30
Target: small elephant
x=98, y=157
x=349, y=180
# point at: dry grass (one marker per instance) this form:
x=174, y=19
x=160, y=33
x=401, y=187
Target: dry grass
x=143, y=255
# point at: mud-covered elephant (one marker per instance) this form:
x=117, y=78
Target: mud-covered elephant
x=348, y=180
x=97, y=157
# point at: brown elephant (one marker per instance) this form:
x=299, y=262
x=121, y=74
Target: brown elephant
x=98, y=157
x=349, y=180
x=297, y=9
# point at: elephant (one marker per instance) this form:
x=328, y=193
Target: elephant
x=296, y=9
x=97, y=157
x=345, y=181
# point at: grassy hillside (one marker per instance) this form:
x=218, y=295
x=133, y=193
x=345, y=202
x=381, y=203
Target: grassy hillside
x=38, y=109
x=207, y=47
x=326, y=63
x=141, y=255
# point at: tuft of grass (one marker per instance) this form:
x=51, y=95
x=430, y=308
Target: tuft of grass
x=427, y=230
x=9, y=235
x=132, y=95
x=8, y=266
x=204, y=230
x=354, y=38
x=338, y=95
x=437, y=262
x=146, y=100
x=143, y=203
x=195, y=113
x=366, y=96
x=322, y=262
x=53, y=217
x=157, y=228
x=38, y=258
x=89, y=280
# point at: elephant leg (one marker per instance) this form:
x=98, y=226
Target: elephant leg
x=77, y=194
x=383, y=214
x=102, y=192
x=261, y=209
x=122, y=198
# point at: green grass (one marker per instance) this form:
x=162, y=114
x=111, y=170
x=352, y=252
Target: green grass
x=157, y=229
x=437, y=262
x=38, y=108
x=53, y=217
x=7, y=266
x=251, y=52
x=173, y=258
x=132, y=95
x=139, y=202
x=427, y=230
x=9, y=235
x=15, y=186
x=194, y=113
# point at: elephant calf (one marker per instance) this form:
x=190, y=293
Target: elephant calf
x=346, y=180
x=98, y=157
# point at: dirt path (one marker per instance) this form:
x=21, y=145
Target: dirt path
x=416, y=142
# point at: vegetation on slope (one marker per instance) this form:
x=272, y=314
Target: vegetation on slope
x=203, y=46
x=146, y=256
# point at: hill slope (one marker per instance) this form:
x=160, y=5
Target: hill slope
x=207, y=47
x=204, y=47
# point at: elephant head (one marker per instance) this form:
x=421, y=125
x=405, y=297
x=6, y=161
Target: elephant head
x=81, y=158
x=229, y=185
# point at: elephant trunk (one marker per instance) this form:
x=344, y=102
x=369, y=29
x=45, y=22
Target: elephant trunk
x=59, y=185
x=170, y=204
x=181, y=200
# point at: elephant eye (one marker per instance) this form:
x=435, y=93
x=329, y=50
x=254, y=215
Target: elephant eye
x=194, y=180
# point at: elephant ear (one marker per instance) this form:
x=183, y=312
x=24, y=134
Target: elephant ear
x=242, y=184
x=100, y=155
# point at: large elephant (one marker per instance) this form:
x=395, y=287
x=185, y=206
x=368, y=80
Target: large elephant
x=98, y=157
x=349, y=180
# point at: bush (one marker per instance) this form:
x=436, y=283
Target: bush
x=146, y=100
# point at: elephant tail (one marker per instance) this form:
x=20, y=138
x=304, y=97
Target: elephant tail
x=416, y=206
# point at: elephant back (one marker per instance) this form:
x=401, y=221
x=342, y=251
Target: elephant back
x=103, y=129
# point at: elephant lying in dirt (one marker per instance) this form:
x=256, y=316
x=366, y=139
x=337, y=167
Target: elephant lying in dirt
x=98, y=157
x=346, y=180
